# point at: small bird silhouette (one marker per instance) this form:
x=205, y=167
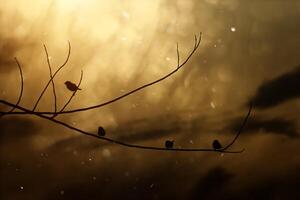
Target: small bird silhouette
x=101, y=131
x=169, y=144
x=71, y=86
x=216, y=145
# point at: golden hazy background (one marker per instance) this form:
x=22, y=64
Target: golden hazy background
x=121, y=45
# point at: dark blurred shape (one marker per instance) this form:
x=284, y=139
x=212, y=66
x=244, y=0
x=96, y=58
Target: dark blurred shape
x=169, y=144
x=277, y=187
x=15, y=128
x=101, y=131
x=216, y=145
x=278, y=90
x=213, y=184
x=276, y=125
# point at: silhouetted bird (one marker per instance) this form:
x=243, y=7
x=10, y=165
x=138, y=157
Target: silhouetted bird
x=216, y=145
x=169, y=144
x=101, y=131
x=71, y=86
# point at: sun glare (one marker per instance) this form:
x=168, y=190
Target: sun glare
x=71, y=4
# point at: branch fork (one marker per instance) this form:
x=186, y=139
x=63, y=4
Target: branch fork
x=51, y=116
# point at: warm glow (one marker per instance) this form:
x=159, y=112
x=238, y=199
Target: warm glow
x=249, y=52
x=72, y=4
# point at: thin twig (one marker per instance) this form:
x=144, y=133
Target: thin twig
x=21, y=90
x=178, y=56
x=124, y=143
x=196, y=40
x=73, y=94
x=241, y=128
x=51, y=78
x=47, y=85
x=196, y=45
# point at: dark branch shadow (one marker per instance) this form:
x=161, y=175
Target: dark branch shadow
x=15, y=128
x=213, y=184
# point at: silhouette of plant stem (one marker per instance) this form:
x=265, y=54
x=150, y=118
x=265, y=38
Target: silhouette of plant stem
x=51, y=77
x=73, y=94
x=21, y=90
x=241, y=128
x=178, y=57
x=128, y=144
x=55, y=73
x=196, y=45
x=44, y=114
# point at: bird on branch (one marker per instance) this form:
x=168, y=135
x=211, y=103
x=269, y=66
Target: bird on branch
x=169, y=144
x=71, y=86
x=216, y=145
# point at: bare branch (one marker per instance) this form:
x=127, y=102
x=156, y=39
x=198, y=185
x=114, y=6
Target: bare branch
x=241, y=128
x=21, y=90
x=78, y=85
x=196, y=45
x=120, y=142
x=47, y=85
x=178, y=56
x=51, y=78
x=196, y=40
x=102, y=137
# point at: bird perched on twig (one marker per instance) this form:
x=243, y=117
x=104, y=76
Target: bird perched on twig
x=216, y=145
x=71, y=86
x=169, y=144
x=101, y=131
